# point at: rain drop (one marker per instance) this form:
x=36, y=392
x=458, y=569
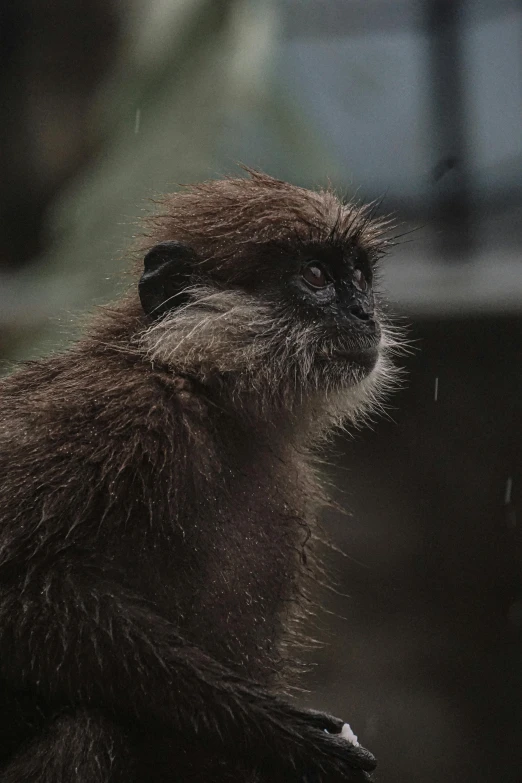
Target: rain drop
x=507, y=493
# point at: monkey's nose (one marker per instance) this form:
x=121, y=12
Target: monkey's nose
x=357, y=310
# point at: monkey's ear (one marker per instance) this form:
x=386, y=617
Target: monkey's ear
x=166, y=275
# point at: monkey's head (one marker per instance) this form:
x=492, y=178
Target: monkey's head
x=269, y=289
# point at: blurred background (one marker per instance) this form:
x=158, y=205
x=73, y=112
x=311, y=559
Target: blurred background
x=106, y=103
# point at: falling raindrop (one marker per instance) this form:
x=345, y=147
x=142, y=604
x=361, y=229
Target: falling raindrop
x=137, y=121
x=436, y=391
x=507, y=493
x=511, y=514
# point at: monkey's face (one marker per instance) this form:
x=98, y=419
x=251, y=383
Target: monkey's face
x=323, y=299
x=285, y=314
x=298, y=322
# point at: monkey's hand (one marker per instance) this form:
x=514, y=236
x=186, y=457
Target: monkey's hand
x=319, y=748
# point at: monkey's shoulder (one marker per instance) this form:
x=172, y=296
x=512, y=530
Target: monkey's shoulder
x=97, y=389
x=79, y=418
x=91, y=447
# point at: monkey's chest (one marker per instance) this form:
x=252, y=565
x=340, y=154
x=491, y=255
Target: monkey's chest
x=249, y=569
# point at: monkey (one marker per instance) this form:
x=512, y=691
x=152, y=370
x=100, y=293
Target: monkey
x=160, y=496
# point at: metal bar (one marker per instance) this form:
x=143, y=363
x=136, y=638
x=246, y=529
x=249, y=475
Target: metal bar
x=451, y=187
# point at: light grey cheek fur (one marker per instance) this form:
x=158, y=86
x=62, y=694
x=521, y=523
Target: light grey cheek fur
x=216, y=332
x=233, y=335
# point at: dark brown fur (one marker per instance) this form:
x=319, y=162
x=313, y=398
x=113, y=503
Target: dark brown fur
x=155, y=505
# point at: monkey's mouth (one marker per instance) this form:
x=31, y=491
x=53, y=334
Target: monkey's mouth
x=366, y=358
x=359, y=349
x=348, y=363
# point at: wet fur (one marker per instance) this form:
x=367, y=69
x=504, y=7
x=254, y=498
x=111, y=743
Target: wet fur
x=157, y=513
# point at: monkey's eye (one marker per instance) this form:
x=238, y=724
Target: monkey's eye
x=359, y=280
x=315, y=276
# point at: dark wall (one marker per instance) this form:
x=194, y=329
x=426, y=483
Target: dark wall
x=427, y=664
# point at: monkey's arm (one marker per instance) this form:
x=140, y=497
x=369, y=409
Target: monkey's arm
x=77, y=641
x=74, y=470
